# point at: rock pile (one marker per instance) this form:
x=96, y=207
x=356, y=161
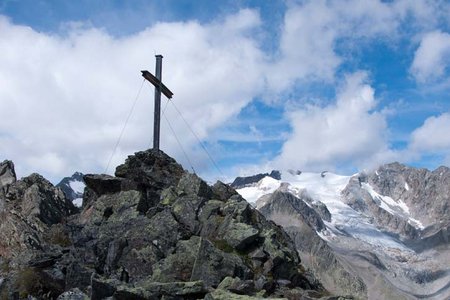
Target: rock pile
x=154, y=231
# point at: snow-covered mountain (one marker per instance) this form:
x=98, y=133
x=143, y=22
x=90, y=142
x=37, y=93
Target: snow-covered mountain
x=73, y=188
x=381, y=235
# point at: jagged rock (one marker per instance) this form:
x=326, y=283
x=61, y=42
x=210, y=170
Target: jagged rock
x=77, y=276
x=103, y=184
x=152, y=168
x=73, y=294
x=185, y=210
x=154, y=231
x=241, y=182
x=237, y=285
x=103, y=288
x=44, y=260
x=239, y=235
x=221, y=294
x=38, y=197
x=32, y=205
x=415, y=187
x=159, y=290
x=72, y=186
x=223, y=191
x=360, y=200
x=191, y=184
x=7, y=175
x=199, y=259
x=322, y=210
x=287, y=201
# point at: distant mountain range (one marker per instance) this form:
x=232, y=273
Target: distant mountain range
x=73, y=187
x=156, y=231
x=378, y=235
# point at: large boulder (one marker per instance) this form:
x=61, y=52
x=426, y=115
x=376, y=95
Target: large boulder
x=152, y=169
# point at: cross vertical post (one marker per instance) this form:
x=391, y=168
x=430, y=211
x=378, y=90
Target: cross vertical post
x=159, y=88
x=157, y=114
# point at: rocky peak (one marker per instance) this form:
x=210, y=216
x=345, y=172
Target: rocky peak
x=241, y=182
x=422, y=190
x=7, y=175
x=156, y=231
x=73, y=187
x=183, y=231
x=36, y=196
x=151, y=168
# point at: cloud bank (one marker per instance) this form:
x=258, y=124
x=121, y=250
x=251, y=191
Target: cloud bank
x=64, y=97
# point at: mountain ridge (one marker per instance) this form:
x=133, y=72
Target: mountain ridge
x=377, y=223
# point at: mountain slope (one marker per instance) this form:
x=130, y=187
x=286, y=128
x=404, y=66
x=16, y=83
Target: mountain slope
x=376, y=229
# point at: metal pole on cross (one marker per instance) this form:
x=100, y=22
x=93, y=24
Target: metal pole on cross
x=159, y=88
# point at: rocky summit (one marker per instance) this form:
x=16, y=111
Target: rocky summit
x=152, y=231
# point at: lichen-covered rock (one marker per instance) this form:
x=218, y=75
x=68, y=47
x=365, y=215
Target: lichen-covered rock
x=240, y=236
x=103, y=184
x=221, y=294
x=73, y=294
x=152, y=169
x=191, y=184
x=223, y=191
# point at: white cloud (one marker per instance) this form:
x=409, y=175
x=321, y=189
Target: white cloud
x=432, y=136
x=313, y=29
x=432, y=58
x=64, y=99
x=348, y=131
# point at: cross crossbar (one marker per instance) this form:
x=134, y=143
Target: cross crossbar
x=157, y=83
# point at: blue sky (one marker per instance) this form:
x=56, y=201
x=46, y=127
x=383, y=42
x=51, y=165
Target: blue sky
x=340, y=85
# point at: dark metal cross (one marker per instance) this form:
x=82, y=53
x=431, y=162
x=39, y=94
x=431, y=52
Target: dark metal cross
x=159, y=88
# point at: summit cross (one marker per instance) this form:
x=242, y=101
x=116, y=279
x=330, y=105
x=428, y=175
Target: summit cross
x=159, y=88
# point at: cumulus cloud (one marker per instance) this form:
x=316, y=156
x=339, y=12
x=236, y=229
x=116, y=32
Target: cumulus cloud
x=312, y=30
x=432, y=57
x=64, y=99
x=349, y=131
x=432, y=136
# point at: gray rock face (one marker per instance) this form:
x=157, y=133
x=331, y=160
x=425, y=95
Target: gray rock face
x=360, y=200
x=32, y=238
x=7, y=175
x=427, y=193
x=282, y=202
x=154, y=231
x=302, y=223
x=390, y=240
